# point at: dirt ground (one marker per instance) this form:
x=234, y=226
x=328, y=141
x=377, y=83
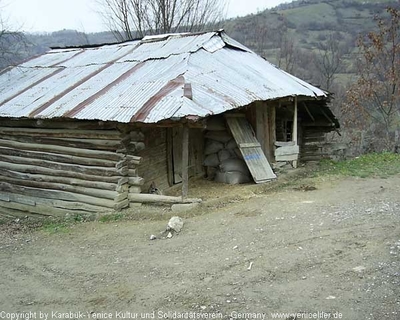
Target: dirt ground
x=333, y=251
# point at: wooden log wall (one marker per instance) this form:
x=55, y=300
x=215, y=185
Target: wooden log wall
x=314, y=146
x=60, y=167
x=154, y=165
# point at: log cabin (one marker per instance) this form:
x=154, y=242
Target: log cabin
x=86, y=130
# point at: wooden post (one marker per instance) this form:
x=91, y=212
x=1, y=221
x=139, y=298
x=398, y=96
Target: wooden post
x=260, y=125
x=272, y=130
x=185, y=162
x=294, y=134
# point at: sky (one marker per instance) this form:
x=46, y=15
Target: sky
x=81, y=15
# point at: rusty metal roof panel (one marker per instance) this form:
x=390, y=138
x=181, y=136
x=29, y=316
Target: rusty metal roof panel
x=17, y=79
x=46, y=92
x=51, y=58
x=124, y=99
x=143, y=80
x=88, y=91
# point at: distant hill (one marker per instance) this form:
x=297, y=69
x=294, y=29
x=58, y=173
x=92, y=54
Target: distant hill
x=292, y=35
x=306, y=26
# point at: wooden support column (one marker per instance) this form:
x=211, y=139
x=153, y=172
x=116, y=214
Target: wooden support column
x=294, y=135
x=272, y=131
x=185, y=161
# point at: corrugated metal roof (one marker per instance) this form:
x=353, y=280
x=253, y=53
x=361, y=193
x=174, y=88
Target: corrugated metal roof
x=142, y=81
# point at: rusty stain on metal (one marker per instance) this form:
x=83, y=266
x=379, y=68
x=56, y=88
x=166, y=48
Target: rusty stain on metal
x=77, y=84
x=40, y=80
x=31, y=86
x=164, y=91
x=81, y=106
x=187, y=91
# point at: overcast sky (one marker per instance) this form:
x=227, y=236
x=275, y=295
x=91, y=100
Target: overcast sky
x=53, y=15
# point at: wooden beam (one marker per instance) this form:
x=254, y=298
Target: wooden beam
x=327, y=117
x=294, y=135
x=249, y=145
x=185, y=162
x=260, y=124
x=308, y=111
x=272, y=130
x=155, y=198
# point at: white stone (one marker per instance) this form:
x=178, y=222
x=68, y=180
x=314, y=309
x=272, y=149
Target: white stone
x=175, y=224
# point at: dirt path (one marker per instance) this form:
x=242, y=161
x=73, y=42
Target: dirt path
x=335, y=250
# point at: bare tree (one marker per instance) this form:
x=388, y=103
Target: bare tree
x=287, y=56
x=329, y=60
x=12, y=43
x=129, y=19
x=374, y=100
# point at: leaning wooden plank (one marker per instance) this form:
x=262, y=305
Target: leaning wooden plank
x=107, y=194
x=249, y=145
x=154, y=198
x=55, y=194
x=23, y=168
x=57, y=157
x=89, y=170
x=62, y=133
x=250, y=149
x=107, y=155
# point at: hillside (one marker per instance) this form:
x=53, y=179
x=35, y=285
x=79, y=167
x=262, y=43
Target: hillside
x=293, y=36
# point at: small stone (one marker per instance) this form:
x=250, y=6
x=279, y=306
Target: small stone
x=304, y=277
x=235, y=247
x=153, y=237
x=359, y=269
x=175, y=224
x=330, y=298
x=203, y=307
x=169, y=235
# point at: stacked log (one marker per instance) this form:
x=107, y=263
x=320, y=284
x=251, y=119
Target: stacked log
x=315, y=146
x=66, y=168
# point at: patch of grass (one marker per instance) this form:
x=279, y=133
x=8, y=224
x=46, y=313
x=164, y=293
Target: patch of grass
x=55, y=227
x=111, y=217
x=380, y=165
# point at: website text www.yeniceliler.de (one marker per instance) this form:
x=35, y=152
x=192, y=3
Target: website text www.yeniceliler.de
x=306, y=315
x=126, y=315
